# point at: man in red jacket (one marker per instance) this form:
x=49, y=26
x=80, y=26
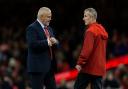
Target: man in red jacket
x=92, y=59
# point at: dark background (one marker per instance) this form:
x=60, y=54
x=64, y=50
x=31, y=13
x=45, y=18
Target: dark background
x=111, y=13
x=16, y=15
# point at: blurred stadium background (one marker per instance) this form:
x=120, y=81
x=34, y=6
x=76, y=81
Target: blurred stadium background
x=16, y=15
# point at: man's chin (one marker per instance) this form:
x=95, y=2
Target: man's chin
x=47, y=24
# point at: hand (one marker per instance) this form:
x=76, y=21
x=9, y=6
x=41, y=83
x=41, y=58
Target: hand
x=53, y=40
x=49, y=42
x=78, y=67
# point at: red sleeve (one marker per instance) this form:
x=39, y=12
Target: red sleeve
x=87, y=48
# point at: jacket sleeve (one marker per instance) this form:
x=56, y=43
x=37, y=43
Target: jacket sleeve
x=33, y=40
x=87, y=48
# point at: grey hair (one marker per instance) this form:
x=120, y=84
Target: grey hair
x=42, y=11
x=92, y=12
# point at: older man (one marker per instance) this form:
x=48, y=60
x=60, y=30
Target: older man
x=40, y=39
x=91, y=62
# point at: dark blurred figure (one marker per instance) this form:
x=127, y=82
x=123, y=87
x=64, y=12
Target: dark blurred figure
x=111, y=82
x=122, y=75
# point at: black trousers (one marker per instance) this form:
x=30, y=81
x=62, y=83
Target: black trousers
x=84, y=79
x=39, y=80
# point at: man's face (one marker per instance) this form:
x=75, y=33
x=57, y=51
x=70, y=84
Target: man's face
x=87, y=18
x=46, y=18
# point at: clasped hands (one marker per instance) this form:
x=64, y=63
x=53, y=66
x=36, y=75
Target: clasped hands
x=52, y=41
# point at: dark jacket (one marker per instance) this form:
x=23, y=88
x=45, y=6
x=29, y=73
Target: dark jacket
x=38, y=59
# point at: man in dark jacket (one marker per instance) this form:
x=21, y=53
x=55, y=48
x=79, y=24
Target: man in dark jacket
x=40, y=39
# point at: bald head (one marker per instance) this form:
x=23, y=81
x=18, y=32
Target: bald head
x=43, y=11
x=44, y=15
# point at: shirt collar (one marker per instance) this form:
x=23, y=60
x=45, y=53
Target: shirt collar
x=40, y=23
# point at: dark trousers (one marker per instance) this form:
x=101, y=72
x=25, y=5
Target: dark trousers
x=84, y=79
x=39, y=80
